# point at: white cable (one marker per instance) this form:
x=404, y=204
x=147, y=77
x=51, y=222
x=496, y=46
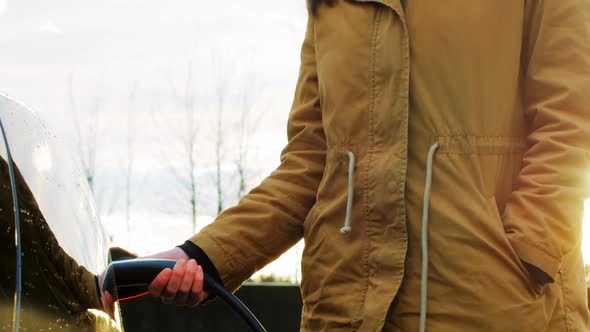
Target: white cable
x=424, y=281
x=351, y=161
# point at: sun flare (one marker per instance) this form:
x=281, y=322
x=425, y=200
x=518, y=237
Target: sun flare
x=586, y=233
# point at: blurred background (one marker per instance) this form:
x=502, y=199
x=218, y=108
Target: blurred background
x=176, y=109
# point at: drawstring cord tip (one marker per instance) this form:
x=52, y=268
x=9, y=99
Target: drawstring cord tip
x=345, y=230
x=351, y=161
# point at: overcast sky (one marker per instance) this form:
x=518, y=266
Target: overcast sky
x=101, y=52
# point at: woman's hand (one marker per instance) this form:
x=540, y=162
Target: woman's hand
x=106, y=299
x=183, y=285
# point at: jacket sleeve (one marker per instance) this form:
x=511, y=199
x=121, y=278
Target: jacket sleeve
x=269, y=219
x=543, y=217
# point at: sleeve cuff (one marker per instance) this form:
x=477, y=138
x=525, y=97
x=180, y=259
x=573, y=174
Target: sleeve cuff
x=196, y=253
x=547, y=266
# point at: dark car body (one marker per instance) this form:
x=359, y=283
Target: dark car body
x=62, y=246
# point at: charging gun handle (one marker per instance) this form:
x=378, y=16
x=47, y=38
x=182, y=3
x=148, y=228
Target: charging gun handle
x=133, y=276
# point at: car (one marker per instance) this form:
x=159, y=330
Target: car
x=52, y=252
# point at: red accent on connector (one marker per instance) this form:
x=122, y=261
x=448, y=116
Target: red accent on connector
x=132, y=297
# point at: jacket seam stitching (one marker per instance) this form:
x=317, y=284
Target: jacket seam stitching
x=480, y=144
x=536, y=246
x=403, y=170
x=370, y=149
x=228, y=259
x=565, y=304
x=480, y=153
x=480, y=136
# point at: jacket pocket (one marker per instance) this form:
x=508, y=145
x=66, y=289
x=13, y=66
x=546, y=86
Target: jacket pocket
x=495, y=213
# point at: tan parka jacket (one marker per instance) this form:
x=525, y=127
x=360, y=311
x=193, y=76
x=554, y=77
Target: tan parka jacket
x=498, y=92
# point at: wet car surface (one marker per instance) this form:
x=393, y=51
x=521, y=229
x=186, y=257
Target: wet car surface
x=61, y=241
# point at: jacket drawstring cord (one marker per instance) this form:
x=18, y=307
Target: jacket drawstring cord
x=426, y=203
x=351, y=161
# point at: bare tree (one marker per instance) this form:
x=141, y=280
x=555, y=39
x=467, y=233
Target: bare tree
x=221, y=91
x=248, y=122
x=86, y=131
x=222, y=95
x=130, y=152
x=86, y=118
x=191, y=141
x=184, y=98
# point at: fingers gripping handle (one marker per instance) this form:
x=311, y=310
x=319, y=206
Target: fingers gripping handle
x=132, y=277
x=128, y=278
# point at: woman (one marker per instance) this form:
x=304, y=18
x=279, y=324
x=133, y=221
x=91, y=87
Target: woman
x=435, y=168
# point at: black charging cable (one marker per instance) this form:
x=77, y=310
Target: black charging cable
x=128, y=278
x=17, y=236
